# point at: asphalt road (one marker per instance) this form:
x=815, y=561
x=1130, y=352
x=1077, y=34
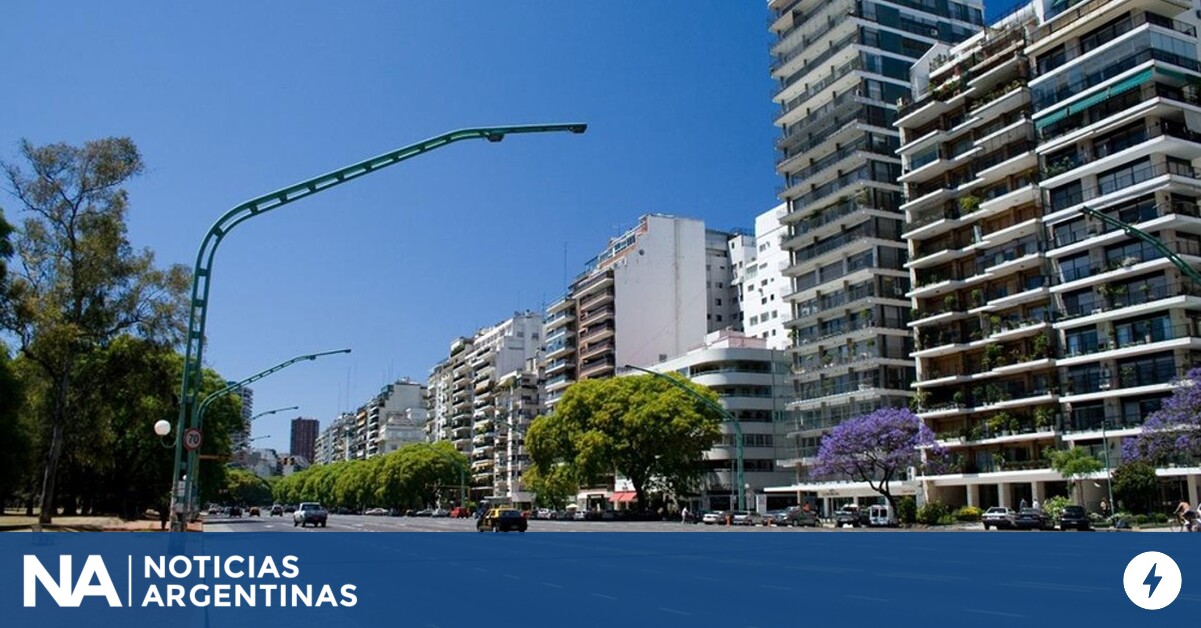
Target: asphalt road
x=363, y=523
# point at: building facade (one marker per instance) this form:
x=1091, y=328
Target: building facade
x=841, y=67
x=606, y=319
x=304, y=438
x=759, y=262
x=1041, y=326
x=753, y=384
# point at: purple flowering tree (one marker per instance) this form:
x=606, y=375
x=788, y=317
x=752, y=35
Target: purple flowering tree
x=876, y=448
x=1174, y=431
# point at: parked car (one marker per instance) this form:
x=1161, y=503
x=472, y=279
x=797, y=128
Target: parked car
x=254, y=511
x=851, y=515
x=376, y=512
x=713, y=516
x=441, y=512
x=459, y=512
x=796, y=516
x=502, y=520
x=289, y=509
x=999, y=517
x=1033, y=519
x=746, y=518
x=425, y=512
x=1074, y=517
x=309, y=513
x=277, y=511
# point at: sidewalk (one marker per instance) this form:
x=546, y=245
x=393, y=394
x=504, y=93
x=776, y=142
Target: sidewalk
x=21, y=523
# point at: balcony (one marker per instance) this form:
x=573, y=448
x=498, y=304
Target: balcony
x=1065, y=197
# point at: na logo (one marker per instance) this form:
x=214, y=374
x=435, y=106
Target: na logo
x=93, y=581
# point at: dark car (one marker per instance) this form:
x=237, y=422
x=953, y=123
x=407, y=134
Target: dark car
x=277, y=511
x=796, y=516
x=502, y=520
x=235, y=511
x=310, y=513
x=1074, y=517
x=1033, y=519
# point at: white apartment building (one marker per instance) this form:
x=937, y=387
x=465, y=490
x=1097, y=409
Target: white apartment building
x=652, y=293
x=759, y=264
x=753, y=384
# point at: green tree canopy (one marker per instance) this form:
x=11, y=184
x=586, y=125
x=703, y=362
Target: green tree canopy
x=1136, y=485
x=1074, y=465
x=80, y=283
x=643, y=428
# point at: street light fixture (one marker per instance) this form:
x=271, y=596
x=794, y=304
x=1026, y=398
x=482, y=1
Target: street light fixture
x=277, y=410
x=741, y=485
x=189, y=481
x=202, y=271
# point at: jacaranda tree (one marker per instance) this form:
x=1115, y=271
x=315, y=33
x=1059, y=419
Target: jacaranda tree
x=877, y=448
x=1172, y=433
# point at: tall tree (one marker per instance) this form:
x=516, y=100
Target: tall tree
x=14, y=439
x=79, y=283
x=1172, y=433
x=643, y=428
x=877, y=448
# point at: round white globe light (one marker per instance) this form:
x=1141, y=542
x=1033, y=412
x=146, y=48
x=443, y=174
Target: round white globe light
x=162, y=427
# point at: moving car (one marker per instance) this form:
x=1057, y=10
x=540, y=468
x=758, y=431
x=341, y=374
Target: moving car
x=502, y=520
x=277, y=511
x=999, y=517
x=1074, y=517
x=309, y=513
x=1033, y=519
x=254, y=511
x=235, y=511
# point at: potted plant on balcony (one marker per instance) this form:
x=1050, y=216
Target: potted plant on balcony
x=994, y=324
x=949, y=302
x=1042, y=417
x=968, y=204
x=977, y=297
x=958, y=398
x=1041, y=346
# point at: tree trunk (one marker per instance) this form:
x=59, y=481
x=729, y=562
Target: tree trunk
x=59, y=424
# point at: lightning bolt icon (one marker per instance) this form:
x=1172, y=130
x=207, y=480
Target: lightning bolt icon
x=1152, y=580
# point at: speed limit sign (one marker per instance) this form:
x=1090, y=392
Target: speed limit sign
x=192, y=439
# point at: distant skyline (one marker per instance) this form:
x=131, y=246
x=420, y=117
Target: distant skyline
x=232, y=100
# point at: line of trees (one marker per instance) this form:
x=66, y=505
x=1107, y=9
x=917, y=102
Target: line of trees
x=89, y=331
x=415, y=476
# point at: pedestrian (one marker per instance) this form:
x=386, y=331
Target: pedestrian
x=684, y=515
x=164, y=513
x=1034, y=504
x=1104, y=508
x=1023, y=504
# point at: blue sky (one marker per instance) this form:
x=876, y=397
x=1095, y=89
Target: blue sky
x=236, y=99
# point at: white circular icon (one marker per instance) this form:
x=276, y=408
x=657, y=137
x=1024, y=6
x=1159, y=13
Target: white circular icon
x=1152, y=580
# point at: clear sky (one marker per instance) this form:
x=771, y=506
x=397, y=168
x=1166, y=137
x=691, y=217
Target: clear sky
x=230, y=100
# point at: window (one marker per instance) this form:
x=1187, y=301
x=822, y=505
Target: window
x=717, y=301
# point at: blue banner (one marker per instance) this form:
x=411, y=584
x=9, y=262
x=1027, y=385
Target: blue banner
x=759, y=578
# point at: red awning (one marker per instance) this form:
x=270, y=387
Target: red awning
x=623, y=496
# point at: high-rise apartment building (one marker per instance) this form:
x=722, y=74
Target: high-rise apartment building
x=304, y=438
x=471, y=401
x=841, y=67
x=652, y=293
x=240, y=438
x=1042, y=326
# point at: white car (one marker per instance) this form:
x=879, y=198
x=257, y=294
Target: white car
x=712, y=517
x=377, y=512
x=999, y=517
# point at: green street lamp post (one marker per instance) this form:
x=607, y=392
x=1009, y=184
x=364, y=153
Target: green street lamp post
x=275, y=411
x=188, y=486
x=202, y=271
x=741, y=483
